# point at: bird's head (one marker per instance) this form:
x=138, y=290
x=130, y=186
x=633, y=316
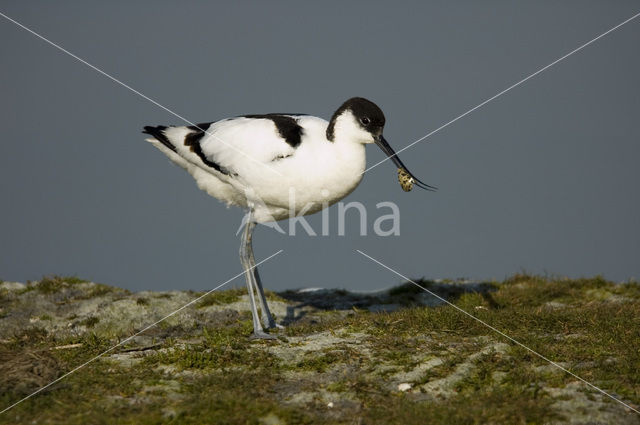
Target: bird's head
x=362, y=121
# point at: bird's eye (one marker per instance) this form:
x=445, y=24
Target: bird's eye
x=365, y=120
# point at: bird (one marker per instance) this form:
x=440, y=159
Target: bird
x=278, y=165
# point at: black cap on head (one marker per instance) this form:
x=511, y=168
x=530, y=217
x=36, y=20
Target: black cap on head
x=368, y=114
x=371, y=118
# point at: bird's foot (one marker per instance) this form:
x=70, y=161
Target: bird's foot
x=273, y=325
x=270, y=323
x=262, y=335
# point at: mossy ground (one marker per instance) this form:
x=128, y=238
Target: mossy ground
x=329, y=365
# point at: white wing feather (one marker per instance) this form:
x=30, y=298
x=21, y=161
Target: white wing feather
x=241, y=144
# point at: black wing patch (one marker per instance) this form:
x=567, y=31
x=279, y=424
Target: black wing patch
x=288, y=128
x=192, y=141
x=158, y=133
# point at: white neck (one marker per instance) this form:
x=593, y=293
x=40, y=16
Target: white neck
x=347, y=129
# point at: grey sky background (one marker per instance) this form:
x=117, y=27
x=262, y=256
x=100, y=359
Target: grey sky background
x=543, y=179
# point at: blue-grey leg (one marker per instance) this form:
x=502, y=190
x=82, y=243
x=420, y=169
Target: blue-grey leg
x=248, y=263
x=267, y=317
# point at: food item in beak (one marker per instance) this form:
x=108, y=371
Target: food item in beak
x=405, y=179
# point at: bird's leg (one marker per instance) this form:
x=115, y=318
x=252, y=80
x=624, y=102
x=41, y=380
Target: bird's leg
x=246, y=257
x=267, y=317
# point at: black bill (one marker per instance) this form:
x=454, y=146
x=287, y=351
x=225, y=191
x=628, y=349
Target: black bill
x=388, y=150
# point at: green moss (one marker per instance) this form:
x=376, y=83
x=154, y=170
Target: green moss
x=318, y=363
x=89, y=322
x=239, y=398
x=98, y=290
x=499, y=406
x=31, y=337
x=472, y=302
x=55, y=284
x=338, y=387
x=89, y=344
x=222, y=357
x=222, y=297
x=482, y=376
x=272, y=296
x=74, y=280
x=221, y=348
